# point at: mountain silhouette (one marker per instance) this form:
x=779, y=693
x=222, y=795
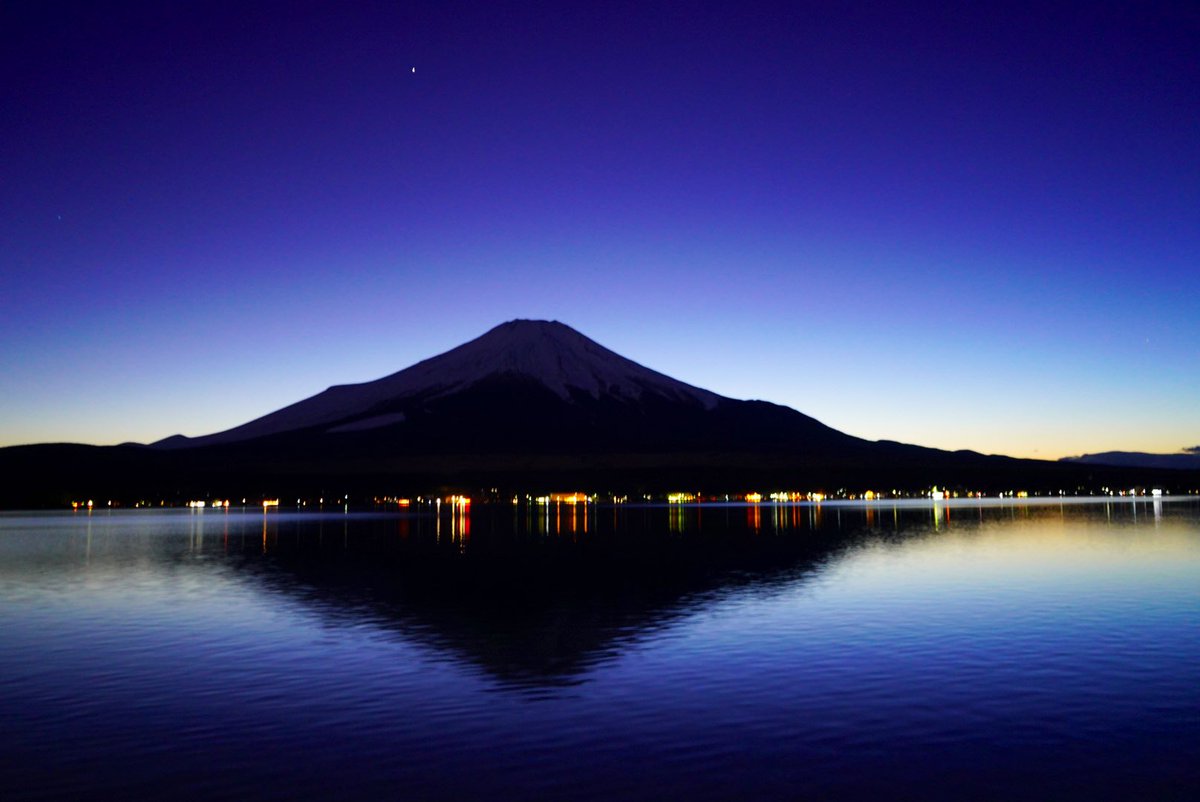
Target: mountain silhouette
x=524, y=383
x=529, y=405
x=525, y=357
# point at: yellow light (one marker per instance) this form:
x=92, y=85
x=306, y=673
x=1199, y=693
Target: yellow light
x=754, y=498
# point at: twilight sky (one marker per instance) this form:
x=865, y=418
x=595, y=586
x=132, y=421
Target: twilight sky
x=938, y=223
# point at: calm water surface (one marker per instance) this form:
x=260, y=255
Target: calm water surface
x=764, y=651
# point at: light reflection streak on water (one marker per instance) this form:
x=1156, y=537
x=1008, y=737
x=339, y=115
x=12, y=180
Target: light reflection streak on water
x=551, y=519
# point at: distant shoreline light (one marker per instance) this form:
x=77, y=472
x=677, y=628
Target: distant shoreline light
x=933, y=496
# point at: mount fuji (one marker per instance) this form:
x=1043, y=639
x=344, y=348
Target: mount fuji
x=535, y=361
x=528, y=405
x=525, y=387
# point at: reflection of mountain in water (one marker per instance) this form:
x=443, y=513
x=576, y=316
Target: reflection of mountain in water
x=537, y=595
x=530, y=597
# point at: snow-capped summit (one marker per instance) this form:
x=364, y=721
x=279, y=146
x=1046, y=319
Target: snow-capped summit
x=548, y=353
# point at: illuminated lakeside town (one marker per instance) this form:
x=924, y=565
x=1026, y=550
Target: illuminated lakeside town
x=460, y=501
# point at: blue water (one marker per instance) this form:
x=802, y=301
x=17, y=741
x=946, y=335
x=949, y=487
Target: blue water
x=1034, y=651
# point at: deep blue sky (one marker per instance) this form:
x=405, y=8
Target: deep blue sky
x=945, y=224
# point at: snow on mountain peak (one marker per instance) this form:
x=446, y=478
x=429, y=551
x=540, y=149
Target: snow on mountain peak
x=550, y=352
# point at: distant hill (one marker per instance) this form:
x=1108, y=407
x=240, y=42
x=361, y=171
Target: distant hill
x=1188, y=461
x=527, y=405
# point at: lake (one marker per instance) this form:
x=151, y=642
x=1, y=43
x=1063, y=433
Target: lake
x=966, y=649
